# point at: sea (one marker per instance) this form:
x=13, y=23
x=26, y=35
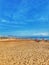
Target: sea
x=35, y=37
x=40, y=37
x=31, y=37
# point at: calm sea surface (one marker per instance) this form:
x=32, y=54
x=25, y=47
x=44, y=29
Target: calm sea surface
x=36, y=37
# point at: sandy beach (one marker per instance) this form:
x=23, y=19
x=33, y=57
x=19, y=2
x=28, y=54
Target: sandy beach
x=24, y=52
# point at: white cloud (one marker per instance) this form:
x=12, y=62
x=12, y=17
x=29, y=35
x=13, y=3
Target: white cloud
x=3, y=20
x=12, y=22
x=41, y=34
x=43, y=19
x=30, y=33
x=38, y=19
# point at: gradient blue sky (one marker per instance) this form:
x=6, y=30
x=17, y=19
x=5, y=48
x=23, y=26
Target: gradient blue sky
x=24, y=17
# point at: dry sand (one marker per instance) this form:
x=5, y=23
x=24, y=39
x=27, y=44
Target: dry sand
x=24, y=52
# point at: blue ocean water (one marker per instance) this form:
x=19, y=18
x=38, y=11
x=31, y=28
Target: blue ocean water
x=41, y=37
x=36, y=37
x=31, y=37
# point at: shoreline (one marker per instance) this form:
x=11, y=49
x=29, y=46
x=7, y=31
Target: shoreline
x=20, y=39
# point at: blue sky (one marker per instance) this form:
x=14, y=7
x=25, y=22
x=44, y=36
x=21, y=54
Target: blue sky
x=24, y=17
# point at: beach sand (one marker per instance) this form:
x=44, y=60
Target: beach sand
x=24, y=52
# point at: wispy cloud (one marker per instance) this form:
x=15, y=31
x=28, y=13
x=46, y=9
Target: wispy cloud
x=41, y=34
x=43, y=19
x=29, y=33
x=3, y=21
x=38, y=19
x=12, y=22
